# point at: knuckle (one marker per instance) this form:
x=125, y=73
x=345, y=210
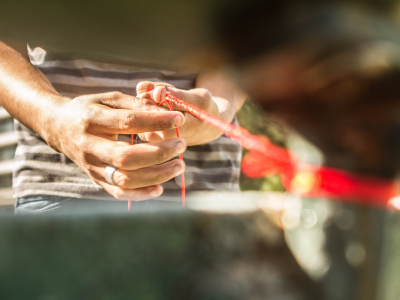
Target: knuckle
x=118, y=194
x=147, y=102
x=162, y=154
x=115, y=95
x=121, y=160
x=122, y=180
x=82, y=145
x=142, y=85
x=158, y=178
x=143, y=103
x=204, y=93
x=89, y=167
x=127, y=121
x=86, y=118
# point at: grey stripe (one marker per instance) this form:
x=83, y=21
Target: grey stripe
x=205, y=171
x=216, y=147
x=43, y=176
x=47, y=166
x=43, y=157
x=41, y=170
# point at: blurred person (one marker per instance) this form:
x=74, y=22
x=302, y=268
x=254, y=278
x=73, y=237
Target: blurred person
x=71, y=124
x=330, y=69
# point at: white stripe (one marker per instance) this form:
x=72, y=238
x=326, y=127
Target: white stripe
x=207, y=185
x=220, y=186
x=39, y=149
x=102, y=82
x=21, y=179
x=211, y=156
x=104, y=67
x=212, y=171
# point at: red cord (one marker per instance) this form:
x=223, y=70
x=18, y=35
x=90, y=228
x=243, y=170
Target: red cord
x=180, y=155
x=129, y=202
x=302, y=179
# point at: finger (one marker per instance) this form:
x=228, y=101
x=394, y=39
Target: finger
x=200, y=98
x=148, y=176
x=158, y=136
x=159, y=94
x=149, y=94
x=122, y=101
x=146, y=86
x=131, y=157
x=139, y=194
x=193, y=96
x=122, y=121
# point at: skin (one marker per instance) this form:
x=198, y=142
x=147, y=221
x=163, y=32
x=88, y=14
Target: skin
x=86, y=128
x=211, y=94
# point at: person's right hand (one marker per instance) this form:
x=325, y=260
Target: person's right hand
x=86, y=130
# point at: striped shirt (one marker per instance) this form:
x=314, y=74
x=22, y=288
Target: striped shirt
x=41, y=170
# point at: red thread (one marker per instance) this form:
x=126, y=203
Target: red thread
x=129, y=202
x=180, y=155
x=302, y=179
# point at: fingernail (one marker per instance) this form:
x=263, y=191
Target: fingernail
x=180, y=147
x=178, y=169
x=178, y=120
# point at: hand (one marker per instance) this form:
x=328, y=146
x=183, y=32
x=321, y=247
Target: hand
x=86, y=130
x=194, y=131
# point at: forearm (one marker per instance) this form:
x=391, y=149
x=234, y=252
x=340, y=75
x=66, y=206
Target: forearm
x=228, y=98
x=25, y=93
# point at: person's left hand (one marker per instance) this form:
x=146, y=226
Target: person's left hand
x=194, y=131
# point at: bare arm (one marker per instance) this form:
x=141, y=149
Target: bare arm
x=86, y=129
x=21, y=84
x=226, y=95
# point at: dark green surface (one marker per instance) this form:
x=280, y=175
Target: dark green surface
x=148, y=256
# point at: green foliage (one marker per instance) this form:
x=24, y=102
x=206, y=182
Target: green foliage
x=255, y=120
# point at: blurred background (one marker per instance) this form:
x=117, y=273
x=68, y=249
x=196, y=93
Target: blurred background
x=351, y=250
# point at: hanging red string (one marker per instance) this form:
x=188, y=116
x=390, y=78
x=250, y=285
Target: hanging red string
x=129, y=202
x=183, y=190
x=180, y=155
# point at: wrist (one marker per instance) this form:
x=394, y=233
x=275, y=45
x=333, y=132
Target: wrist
x=52, y=114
